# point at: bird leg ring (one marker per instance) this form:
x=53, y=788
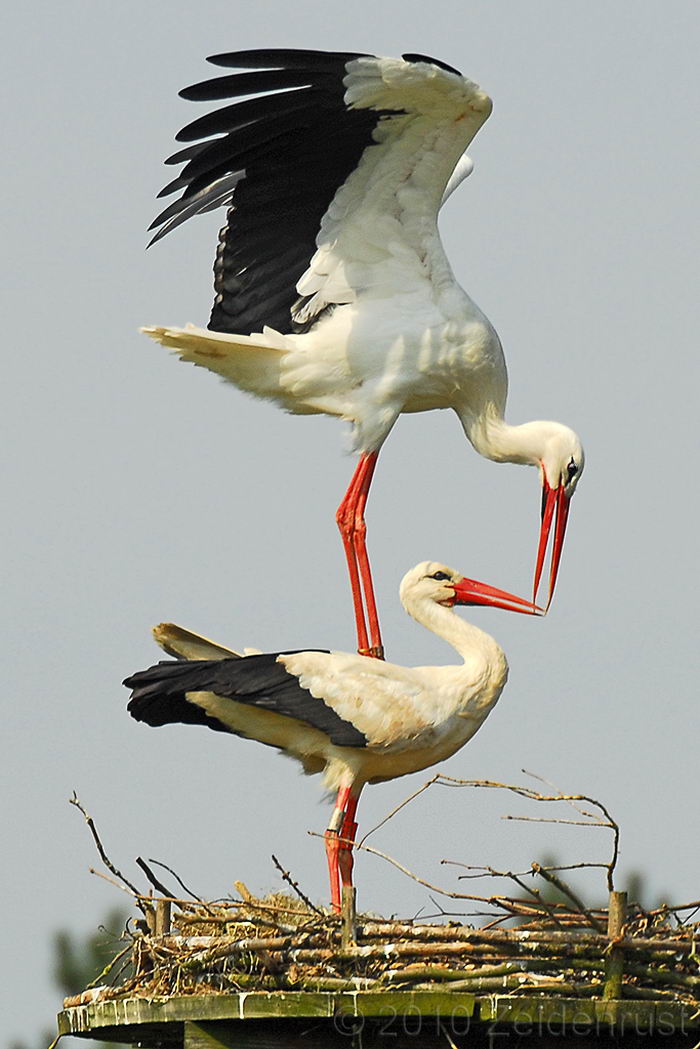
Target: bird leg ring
x=350, y=517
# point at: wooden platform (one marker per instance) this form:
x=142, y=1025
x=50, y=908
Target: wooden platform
x=421, y=1020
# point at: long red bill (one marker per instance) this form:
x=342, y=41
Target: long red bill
x=552, y=499
x=471, y=592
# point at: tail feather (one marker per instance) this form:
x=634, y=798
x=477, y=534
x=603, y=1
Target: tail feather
x=184, y=644
x=252, y=363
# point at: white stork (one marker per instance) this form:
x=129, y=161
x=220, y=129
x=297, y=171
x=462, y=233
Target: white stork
x=333, y=291
x=355, y=719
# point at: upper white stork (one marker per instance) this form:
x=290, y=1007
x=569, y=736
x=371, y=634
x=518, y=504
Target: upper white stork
x=355, y=719
x=333, y=291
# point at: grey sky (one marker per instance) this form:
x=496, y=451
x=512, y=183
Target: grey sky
x=142, y=490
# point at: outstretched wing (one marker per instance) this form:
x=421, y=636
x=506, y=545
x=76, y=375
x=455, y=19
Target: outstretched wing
x=172, y=692
x=331, y=164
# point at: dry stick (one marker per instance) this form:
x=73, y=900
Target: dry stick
x=108, y=968
x=438, y=933
x=517, y=878
x=667, y=907
x=177, y=878
x=560, y=884
x=158, y=885
x=401, y=805
x=612, y=824
x=486, y=871
x=272, y=908
x=514, y=907
x=501, y=901
x=591, y=819
x=565, y=914
x=233, y=904
x=122, y=888
x=294, y=885
x=96, y=838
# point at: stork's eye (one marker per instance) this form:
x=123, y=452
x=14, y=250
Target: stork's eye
x=571, y=470
x=440, y=576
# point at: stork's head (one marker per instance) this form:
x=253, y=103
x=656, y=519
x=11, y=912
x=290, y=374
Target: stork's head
x=561, y=465
x=432, y=581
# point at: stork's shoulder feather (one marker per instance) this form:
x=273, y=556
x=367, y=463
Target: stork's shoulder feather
x=390, y=704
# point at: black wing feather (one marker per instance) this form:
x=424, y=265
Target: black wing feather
x=431, y=62
x=296, y=143
x=238, y=84
x=285, y=58
x=159, y=695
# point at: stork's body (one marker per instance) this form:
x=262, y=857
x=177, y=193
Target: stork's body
x=334, y=294
x=355, y=720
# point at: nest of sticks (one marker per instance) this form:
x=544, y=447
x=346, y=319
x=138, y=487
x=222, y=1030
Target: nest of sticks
x=532, y=943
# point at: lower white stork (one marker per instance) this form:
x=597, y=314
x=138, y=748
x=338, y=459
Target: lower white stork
x=355, y=719
x=333, y=291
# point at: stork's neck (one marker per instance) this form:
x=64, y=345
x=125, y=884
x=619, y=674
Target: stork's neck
x=496, y=439
x=465, y=638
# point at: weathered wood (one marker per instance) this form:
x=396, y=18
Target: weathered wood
x=139, y=1015
x=205, y=1035
x=615, y=960
x=162, y=922
x=348, y=935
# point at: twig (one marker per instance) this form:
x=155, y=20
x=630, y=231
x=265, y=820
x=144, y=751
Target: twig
x=501, y=900
x=108, y=968
x=590, y=818
x=158, y=885
x=294, y=886
x=96, y=838
x=137, y=896
x=553, y=819
x=560, y=884
x=177, y=878
x=401, y=805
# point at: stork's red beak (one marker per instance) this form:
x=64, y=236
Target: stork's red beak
x=471, y=592
x=551, y=498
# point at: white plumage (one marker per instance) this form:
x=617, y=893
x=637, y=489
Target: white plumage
x=334, y=294
x=356, y=720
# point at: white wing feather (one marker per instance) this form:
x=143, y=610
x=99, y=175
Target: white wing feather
x=380, y=232
x=391, y=705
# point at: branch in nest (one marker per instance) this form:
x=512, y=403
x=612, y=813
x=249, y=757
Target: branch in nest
x=178, y=879
x=560, y=884
x=155, y=882
x=96, y=838
x=294, y=885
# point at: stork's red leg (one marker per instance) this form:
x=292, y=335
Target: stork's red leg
x=351, y=522
x=331, y=838
x=359, y=541
x=345, y=518
x=340, y=823
x=347, y=834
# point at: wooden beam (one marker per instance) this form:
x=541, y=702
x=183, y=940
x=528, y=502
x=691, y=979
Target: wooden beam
x=615, y=960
